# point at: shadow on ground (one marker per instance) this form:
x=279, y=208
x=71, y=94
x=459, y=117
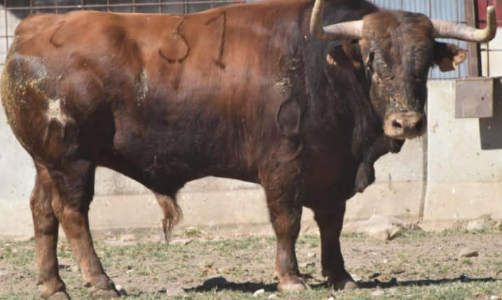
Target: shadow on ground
x=221, y=284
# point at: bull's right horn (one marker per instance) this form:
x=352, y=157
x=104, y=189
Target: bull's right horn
x=352, y=30
x=445, y=29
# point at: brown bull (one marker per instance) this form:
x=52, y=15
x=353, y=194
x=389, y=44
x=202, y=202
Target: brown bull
x=258, y=92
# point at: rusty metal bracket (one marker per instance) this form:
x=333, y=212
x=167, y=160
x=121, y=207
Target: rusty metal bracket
x=474, y=97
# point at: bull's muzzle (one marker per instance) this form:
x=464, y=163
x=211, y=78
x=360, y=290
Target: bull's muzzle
x=404, y=125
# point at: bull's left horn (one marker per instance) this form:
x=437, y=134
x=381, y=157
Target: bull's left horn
x=352, y=30
x=445, y=29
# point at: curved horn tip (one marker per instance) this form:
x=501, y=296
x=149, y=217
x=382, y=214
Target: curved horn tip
x=491, y=22
x=316, y=28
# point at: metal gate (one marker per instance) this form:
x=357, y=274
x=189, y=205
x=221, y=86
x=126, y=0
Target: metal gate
x=461, y=11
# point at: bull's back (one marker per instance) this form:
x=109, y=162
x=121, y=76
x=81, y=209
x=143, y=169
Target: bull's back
x=185, y=81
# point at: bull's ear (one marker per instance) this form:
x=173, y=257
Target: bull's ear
x=448, y=56
x=343, y=56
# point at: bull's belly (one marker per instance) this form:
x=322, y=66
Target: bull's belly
x=167, y=159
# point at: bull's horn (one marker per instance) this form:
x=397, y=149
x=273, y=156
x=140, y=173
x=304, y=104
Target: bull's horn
x=342, y=31
x=445, y=29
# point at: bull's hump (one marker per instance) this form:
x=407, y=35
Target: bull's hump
x=35, y=24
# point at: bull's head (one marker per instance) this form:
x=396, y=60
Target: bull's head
x=397, y=49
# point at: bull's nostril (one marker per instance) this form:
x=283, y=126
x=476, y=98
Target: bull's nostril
x=397, y=124
x=418, y=126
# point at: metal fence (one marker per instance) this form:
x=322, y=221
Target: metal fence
x=461, y=11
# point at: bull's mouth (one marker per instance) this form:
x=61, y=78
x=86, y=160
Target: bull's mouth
x=405, y=125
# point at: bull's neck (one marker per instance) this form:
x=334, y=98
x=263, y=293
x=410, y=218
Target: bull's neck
x=339, y=94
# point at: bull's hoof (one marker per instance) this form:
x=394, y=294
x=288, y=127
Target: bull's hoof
x=345, y=284
x=105, y=294
x=58, y=296
x=295, y=286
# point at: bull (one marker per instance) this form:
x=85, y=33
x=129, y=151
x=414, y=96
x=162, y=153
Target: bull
x=300, y=97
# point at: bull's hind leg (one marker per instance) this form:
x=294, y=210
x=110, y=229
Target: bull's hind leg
x=76, y=187
x=46, y=234
x=330, y=225
x=284, y=201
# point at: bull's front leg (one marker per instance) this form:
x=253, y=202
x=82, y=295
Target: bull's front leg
x=366, y=171
x=330, y=226
x=285, y=207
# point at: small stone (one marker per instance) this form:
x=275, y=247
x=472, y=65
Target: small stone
x=65, y=264
x=466, y=252
x=258, y=292
x=379, y=227
x=75, y=269
x=193, y=232
x=3, y=273
x=377, y=293
x=311, y=254
x=398, y=270
x=394, y=232
x=272, y=296
x=64, y=247
x=127, y=238
x=477, y=226
x=121, y=290
x=356, y=277
x=331, y=298
x=498, y=226
x=174, y=289
x=181, y=241
x=484, y=222
x=156, y=238
x=382, y=235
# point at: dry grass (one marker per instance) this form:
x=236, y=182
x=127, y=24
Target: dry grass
x=416, y=265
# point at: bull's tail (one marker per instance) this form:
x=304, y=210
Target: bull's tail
x=172, y=214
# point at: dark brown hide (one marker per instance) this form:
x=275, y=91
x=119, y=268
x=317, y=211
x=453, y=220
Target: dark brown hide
x=241, y=92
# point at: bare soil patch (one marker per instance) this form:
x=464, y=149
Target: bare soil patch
x=415, y=265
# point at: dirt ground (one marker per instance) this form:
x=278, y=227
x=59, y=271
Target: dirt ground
x=197, y=265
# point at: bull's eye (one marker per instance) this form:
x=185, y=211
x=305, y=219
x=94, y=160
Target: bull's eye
x=369, y=62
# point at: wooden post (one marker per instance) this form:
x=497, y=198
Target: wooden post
x=473, y=49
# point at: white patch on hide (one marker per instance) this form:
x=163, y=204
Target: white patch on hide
x=55, y=112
